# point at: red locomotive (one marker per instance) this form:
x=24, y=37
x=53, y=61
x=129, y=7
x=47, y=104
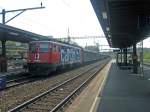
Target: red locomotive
x=47, y=56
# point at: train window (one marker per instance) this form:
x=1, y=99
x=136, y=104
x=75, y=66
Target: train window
x=44, y=47
x=50, y=47
x=32, y=47
x=55, y=48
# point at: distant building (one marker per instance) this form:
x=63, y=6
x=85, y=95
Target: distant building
x=92, y=48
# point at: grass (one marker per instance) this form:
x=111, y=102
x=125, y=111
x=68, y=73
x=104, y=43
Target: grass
x=146, y=56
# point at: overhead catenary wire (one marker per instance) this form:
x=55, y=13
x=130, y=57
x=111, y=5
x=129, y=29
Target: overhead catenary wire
x=25, y=20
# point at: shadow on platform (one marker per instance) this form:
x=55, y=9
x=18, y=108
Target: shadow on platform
x=124, y=92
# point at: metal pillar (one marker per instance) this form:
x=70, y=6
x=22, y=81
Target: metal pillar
x=3, y=48
x=125, y=56
x=117, y=58
x=3, y=16
x=141, y=61
x=121, y=55
x=3, y=59
x=134, y=59
x=142, y=74
x=3, y=41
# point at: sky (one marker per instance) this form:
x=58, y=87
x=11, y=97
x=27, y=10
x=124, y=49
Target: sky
x=146, y=43
x=56, y=18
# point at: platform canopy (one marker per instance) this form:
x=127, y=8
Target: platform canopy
x=124, y=22
x=15, y=34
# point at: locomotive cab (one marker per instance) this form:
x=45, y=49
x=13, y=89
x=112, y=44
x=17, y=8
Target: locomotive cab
x=39, y=57
x=39, y=53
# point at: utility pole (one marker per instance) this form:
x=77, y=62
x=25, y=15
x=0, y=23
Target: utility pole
x=3, y=41
x=68, y=36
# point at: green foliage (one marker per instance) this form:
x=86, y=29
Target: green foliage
x=146, y=55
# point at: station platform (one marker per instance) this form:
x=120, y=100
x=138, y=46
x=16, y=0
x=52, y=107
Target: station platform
x=125, y=92
x=14, y=67
x=11, y=72
x=115, y=90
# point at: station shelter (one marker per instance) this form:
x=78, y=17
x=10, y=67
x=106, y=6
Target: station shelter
x=9, y=33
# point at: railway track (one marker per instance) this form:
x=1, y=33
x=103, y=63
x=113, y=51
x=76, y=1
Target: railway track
x=56, y=97
x=17, y=82
x=26, y=79
x=14, y=96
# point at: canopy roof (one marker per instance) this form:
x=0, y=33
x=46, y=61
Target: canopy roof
x=15, y=34
x=124, y=22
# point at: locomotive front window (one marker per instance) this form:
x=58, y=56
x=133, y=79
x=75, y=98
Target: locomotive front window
x=32, y=48
x=44, y=47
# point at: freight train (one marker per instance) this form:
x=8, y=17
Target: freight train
x=47, y=56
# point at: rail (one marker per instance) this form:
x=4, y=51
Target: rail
x=69, y=97
x=27, y=103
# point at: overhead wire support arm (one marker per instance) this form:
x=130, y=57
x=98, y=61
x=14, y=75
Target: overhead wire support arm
x=14, y=16
x=22, y=10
